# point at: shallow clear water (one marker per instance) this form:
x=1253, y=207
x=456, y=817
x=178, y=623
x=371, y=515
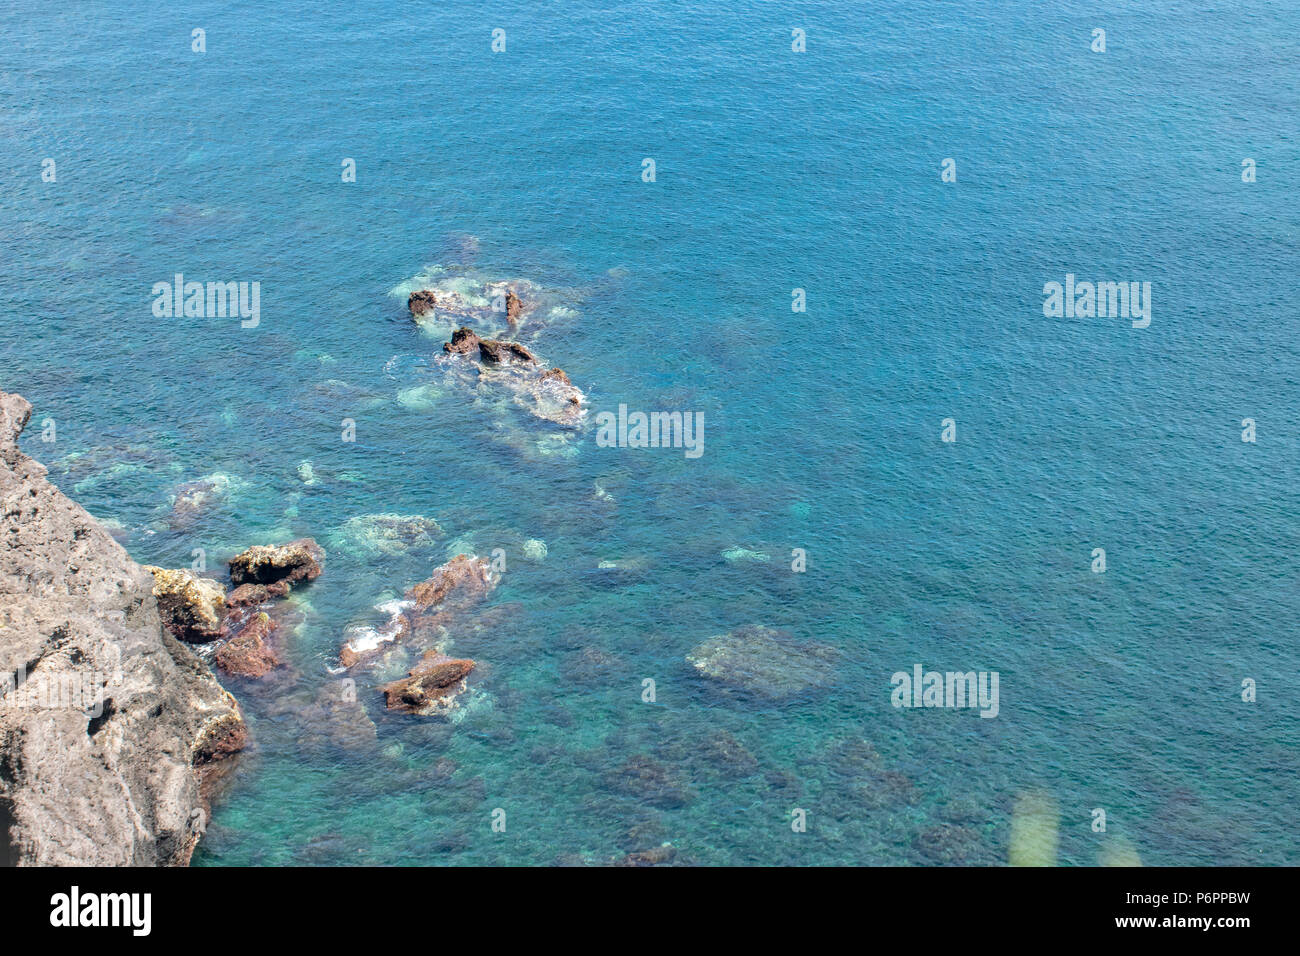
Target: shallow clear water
x=775, y=170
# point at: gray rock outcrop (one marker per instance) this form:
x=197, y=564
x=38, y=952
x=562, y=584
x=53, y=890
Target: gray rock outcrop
x=109, y=727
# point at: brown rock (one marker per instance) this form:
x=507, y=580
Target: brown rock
x=421, y=301
x=462, y=578
x=496, y=352
x=440, y=601
x=250, y=595
x=191, y=607
x=193, y=499
x=267, y=564
x=449, y=304
x=430, y=687
x=514, y=308
x=463, y=342
x=247, y=654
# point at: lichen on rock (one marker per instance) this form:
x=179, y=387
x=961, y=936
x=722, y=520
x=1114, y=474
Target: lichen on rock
x=299, y=560
x=192, y=607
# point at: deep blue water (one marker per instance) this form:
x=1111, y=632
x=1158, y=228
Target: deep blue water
x=775, y=170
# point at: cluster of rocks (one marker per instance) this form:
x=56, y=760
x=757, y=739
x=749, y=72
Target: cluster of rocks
x=437, y=681
x=455, y=306
x=663, y=855
x=506, y=365
x=464, y=341
x=119, y=772
x=199, y=610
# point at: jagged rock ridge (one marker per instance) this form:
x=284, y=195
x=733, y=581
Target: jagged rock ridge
x=109, y=726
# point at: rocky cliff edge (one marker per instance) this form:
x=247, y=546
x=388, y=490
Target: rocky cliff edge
x=111, y=731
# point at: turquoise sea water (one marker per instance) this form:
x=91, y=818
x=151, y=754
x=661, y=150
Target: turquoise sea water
x=775, y=170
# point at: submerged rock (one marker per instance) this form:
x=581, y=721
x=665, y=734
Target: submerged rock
x=655, y=856
x=448, y=593
x=332, y=718
x=951, y=844
x=879, y=789
x=724, y=752
x=961, y=810
x=617, y=572
x=109, y=745
x=88, y=469
x=462, y=580
x=765, y=661
x=551, y=398
x=651, y=781
x=461, y=247
x=592, y=665
x=195, y=498
x=247, y=654
x=267, y=564
x=431, y=687
x=745, y=556
x=512, y=369
x=191, y=607
x=386, y=534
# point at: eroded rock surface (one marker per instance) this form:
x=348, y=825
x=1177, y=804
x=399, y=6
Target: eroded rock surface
x=248, y=653
x=375, y=535
x=461, y=581
x=464, y=341
x=431, y=687
x=109, y=726
x=191, y=607
x=512, y=369
x=296, y=561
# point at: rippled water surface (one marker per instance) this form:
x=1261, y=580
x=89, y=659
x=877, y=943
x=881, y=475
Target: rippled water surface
x=775, y=170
